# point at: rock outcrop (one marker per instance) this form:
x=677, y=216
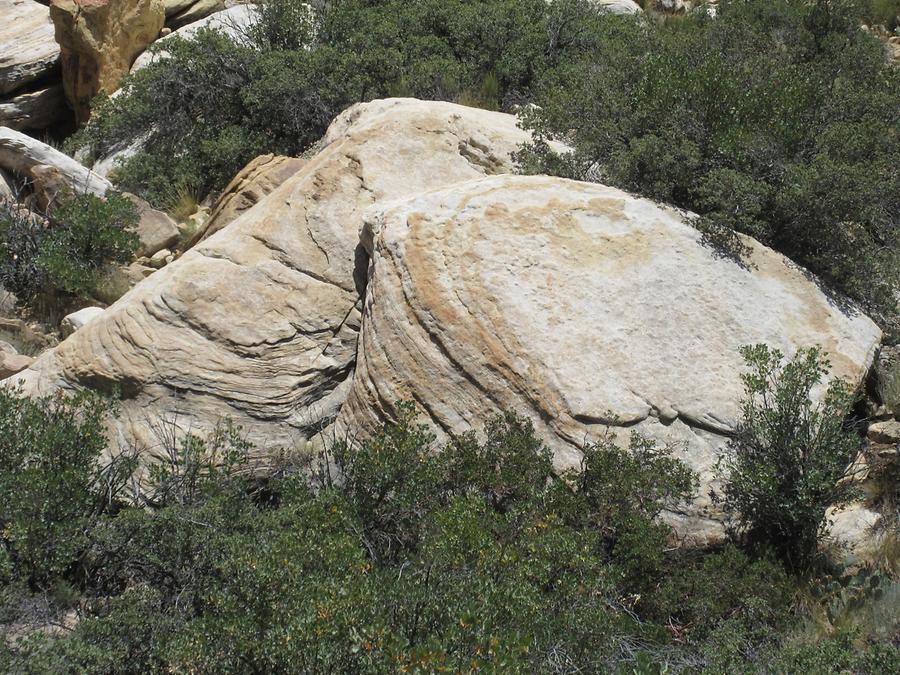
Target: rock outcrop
x=260, y=177
x=181, y=13
x=31, y=94
x=100, y=40
x=582, y=307
x=21, y=154
x=52, y=172
x=259, y=322
x=36, y=109
x=28, y=51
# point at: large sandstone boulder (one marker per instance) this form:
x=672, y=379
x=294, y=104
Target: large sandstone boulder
x=232, y=21
x=28, y=51
x=582, y=307
x=100, y=39
x=260, y=177
x=259, y=322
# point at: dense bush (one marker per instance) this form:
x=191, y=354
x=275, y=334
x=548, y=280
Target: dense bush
x=385, y=556
x=52, y=490
x=216, y=103
x=65, y=253
x=783, y=467
x=777, y=119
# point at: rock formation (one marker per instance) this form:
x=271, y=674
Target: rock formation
x=260, y=177
x=31, y=94
x=582, y=307
x=259, y=322
x=99, y=40
x=229, y=21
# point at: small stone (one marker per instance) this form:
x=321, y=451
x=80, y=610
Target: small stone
x=76, y=320
x=10, y=364
x=160, y=258
x=884, y=432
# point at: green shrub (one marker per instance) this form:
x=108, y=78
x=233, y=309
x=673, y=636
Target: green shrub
x=777, y=119
x=68, y=255
x=216, y=103
x=783, y=467
x=53, y=487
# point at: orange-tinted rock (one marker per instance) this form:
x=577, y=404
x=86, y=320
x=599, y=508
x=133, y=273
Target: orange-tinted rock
x=99, y=40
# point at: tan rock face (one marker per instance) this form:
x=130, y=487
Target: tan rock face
x=582, y=307
x=100, y=39
x=260, y=177
x=259, y=322
x=28, y=51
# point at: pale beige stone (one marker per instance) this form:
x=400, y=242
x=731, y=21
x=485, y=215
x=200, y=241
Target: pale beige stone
x=10, y=364
x=28, y=51
x=260, y=177
x=79, y=319
x=259, y=322
x=582, y=307
x=233, y=21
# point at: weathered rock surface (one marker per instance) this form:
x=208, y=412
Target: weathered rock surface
x=853, y=536
x=618, y=6
x=53, y=172
x=10, y=364
x=259, y=322
x=37, y=109
x=887, y=432
x=155, y=229
x=21, y=154
x=79, y=319
x=229, y=21
x=192, y=12
x=99, y=40
x=582, y=307
x=28, y=51
x=260, y=177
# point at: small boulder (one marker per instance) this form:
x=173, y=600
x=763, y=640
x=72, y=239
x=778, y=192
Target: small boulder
x=155, y=230
x=887, y=433
x=76, y=320
x=161, y=258
x=12, y=364
x=617, y=6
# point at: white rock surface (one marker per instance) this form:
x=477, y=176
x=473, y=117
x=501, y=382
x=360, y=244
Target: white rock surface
x=618, y=6
x=79, y=319
x=580, y=306
x=20, y=154
x=259, y=322
x=231, y=21
x=28, y=50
